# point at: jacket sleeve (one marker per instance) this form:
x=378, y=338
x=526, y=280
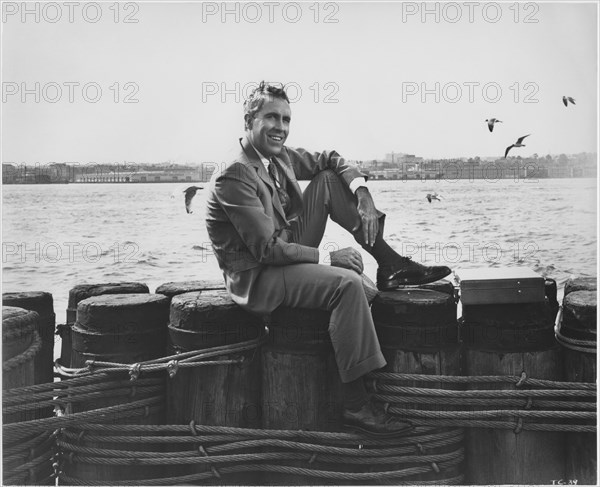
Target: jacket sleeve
x=237, y=193
x=307, y=164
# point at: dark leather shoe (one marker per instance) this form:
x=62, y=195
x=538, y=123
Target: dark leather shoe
x=405, y=272
x=372, y=420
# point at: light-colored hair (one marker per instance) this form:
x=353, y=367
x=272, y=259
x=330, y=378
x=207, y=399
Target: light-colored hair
x=256, y=99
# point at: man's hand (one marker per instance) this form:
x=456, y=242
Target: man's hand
x=368, y=215
x=347, y=258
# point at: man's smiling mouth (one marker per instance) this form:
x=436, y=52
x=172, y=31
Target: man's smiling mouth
x=277, y=138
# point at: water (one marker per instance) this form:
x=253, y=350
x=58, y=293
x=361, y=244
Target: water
x=58, y=236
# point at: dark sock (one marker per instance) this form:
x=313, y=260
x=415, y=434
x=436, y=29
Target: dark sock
x=355, y=394
x=381, y=251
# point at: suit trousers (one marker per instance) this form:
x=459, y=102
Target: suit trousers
x=335, y=289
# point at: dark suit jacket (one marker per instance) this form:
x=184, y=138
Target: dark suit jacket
x=247, y=227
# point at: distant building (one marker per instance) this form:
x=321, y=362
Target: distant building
x=172, y=176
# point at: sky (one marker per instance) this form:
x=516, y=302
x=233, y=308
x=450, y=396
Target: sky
x=143, y=82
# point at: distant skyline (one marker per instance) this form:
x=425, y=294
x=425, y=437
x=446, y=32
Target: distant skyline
x=88, y=84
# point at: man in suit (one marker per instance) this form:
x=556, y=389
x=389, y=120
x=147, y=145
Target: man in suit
x=265, y=234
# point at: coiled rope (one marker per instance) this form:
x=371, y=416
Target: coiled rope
x=584, y=346
x=255, y=449
x=28, y=354
x=171, y=363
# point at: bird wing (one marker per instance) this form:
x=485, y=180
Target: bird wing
x=565, y=100
x=520, y=139
x=572, y=100
x=190, y=192
x=188, y=201
x=507, y=149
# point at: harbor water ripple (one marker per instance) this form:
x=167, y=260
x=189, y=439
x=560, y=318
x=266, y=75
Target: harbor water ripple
x=57, y=236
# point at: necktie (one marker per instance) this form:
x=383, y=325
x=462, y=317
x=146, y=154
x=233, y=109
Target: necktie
x=273, y=173
x=284, y=197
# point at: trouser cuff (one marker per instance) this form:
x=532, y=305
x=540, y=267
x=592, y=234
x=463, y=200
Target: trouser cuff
x=370, y=364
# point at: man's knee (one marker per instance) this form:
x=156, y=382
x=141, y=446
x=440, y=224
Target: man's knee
x=350, y=280
x=324, y=178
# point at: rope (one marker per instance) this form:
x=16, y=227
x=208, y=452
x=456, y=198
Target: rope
x=329, y=450
x=464, y=379
x=584, y=346
x=205, y=430
x=414, y=413
x=237, y=443
x=202, y=451
x=25, y=356
x=416, y=391
x=65, y=400
x=568, y=428
x=122, y=458
x=18, y=326
x=26, y=444
x=492, y=402
x=14, y=431
x=335, y=475
x=68, y=388
x=195, y=358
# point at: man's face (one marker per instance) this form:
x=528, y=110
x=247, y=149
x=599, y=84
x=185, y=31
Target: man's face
x=271, y=126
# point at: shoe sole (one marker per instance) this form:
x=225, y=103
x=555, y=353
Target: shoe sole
x=396, y=283
x=358, y=429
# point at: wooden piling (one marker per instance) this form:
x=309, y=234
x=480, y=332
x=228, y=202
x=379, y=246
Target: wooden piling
x=84, y=291
x=226, y=394
x=509, y=339
x=41, y=303
x=418, y=334
x=21, y=346
x=123, y=329
x=577, y=336
x=302, y=389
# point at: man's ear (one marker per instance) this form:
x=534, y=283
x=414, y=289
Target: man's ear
x=248, y=119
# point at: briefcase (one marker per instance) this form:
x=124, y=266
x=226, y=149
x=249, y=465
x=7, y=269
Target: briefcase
x=500, y=285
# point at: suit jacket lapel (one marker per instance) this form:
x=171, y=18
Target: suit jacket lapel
x=254, y=161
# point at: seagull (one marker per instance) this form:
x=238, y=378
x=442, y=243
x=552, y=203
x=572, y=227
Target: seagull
x=567, y=99
x=518, y=143
x=189, y=194
x=433, y=196
x=491, y=123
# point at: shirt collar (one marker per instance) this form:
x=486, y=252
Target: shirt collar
x=263, y=159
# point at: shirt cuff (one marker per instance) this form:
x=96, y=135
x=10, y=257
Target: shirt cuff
x=357, y=183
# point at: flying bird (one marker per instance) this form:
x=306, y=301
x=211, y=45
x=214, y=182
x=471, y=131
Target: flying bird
x=491, y=123
x=567, y=99
x=518, y=143
x=189, y=194
x=433, y=196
